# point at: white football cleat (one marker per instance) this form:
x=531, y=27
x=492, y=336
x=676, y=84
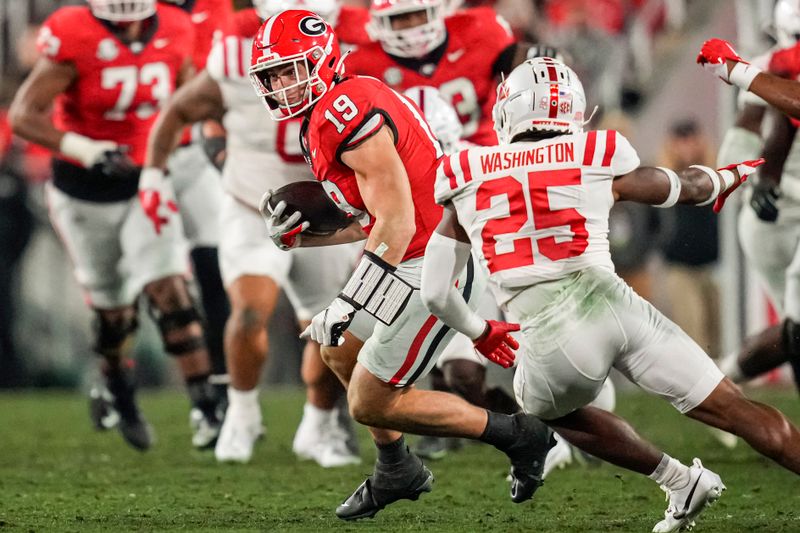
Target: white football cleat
x=321, y=438
x=704, y=488
x=240, y=431
x=559, y=456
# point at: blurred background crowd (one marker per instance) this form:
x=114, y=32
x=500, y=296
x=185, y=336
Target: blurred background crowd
x=636, y=60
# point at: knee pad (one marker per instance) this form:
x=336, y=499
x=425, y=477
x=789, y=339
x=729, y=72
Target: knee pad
x=172, y=321
x=109, y=336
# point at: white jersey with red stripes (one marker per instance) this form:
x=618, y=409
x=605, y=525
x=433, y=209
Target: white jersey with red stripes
x=261, y=154
x=536, y=211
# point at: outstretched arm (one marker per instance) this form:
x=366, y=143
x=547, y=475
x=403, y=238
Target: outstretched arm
x=720, y=58
x=699, y=185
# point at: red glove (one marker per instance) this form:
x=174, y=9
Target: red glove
x=496, y=344
x=717, y=51
x=157, y=197
x=745, y=169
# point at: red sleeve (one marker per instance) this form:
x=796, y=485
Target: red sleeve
x=352, y=25
x=356, y=112
x=492, y=30
x=57, y=39
x=246, y=22
x=786, y=62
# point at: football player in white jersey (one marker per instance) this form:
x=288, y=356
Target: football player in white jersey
x=261, y=155
x=535, y=211
x=464, y=370
x=769, y=229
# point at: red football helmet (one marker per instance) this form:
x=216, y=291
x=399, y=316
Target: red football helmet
x=303, y=41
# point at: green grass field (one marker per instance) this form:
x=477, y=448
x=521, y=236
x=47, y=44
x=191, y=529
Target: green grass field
x=57, y=474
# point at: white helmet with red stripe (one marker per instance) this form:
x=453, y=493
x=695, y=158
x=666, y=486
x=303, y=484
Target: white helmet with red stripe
x=327, y=9
x=541, y=94
x=787, y=22
x=416, y=41
x=439, y=114
x=122, y=10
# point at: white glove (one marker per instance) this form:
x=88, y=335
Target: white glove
x=328, y=326
x=88, y=151
x=157, y=197
x=285, y=233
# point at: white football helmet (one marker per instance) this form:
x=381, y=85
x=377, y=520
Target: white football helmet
x=122, y=10
x=409, y=42
x=327, y=9
x=787, y=22
x=541, y=94
x=439, y=114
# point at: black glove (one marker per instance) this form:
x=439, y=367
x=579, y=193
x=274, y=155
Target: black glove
x=117, y=165
x=765, y=200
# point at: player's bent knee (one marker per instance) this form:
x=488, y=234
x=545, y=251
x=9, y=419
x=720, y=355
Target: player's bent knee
x=111, y=333
x=248, y=321
x=179, y=339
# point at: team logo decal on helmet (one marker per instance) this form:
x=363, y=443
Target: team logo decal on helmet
x=312, y=26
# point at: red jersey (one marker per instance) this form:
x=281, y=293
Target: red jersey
x=347, y=115
x=464, y=74
x=119, y=88
x=783, y=62
x=351, y=28
x=211, y=19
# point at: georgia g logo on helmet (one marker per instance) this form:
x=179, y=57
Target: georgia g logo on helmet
x=312, y=26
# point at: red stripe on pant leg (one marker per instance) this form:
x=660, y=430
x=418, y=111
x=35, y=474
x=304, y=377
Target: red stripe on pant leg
x=588, y=150
x=463, y=158
x=448, y=171
x=413, y=351
x=611, y=145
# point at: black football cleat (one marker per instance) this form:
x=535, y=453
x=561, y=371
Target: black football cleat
x=101, y=408
x=527, y=455
x=132, y=425
x=388, y=484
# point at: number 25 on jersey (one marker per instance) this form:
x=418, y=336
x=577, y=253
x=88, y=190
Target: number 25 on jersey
x=569, y=238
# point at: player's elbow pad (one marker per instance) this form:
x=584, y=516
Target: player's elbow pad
x=739, y=144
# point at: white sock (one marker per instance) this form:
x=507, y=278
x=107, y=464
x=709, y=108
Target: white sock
x=316, y=416
x=243, y=398
x=671, y=473
x=730, y=367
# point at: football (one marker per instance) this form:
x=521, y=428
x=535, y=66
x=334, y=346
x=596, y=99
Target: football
x=316, y=207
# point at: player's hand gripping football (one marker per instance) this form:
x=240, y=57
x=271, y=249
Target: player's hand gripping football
x=328, y=326
x=743, y=171
x=284, y=232
x=157, y=197
x=496, y=344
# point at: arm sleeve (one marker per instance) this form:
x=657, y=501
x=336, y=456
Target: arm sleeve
x=625, y=158
x=445, y=258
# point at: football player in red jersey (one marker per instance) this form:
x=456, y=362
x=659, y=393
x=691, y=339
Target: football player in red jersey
x=376, y=157
x=108, y=67
x=261, y=156
x=462, y=55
